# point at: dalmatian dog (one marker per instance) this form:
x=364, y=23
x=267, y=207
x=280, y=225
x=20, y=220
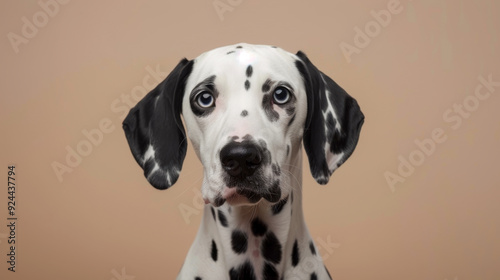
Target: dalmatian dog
x=247, y=110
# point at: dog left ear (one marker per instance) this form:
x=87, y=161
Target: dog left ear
x=154, y=129
x=333, y=122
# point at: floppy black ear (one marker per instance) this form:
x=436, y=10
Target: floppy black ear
x=154, y=129
x=333, y=122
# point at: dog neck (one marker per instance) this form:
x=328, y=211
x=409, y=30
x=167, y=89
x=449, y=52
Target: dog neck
x=261, y=234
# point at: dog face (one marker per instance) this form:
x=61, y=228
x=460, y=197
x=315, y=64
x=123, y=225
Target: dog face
x=246, y=109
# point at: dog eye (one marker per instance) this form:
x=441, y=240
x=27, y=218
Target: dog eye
x=281, y=95
x=205, y=99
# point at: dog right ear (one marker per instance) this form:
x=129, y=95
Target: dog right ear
x=154, y=130
x=333, y=122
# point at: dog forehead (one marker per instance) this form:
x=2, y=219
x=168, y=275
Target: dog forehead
x=235, y=60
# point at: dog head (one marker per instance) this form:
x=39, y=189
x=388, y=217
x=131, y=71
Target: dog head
x=246, y=109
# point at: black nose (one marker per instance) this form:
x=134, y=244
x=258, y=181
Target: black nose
x=240, y=159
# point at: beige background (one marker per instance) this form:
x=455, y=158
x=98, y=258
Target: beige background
x=104, y=220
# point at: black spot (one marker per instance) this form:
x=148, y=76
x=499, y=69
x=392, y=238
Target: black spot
x=213, y=213
x=230, y=52
x=247, y=84
x=328, y=273
x=276, y=169
x=287, y=150
x=239, y=241
x=295, y=254
x=249, y=71
x=214, y=251
x=271, y=248
x=244, y=113
x=267, y=105
x=276, y=208
x=239, y=47
x=313, y=249
x=222, y=218
x=197, y=278
x=313, y=276
x=270, y=272
x=243, y=272
x=273, y=194
x=219, y=201
x=258, y=227
x=267, y=85
x=291, y=120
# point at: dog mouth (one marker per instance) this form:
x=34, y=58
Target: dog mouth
x=244, y=195
x=249, y=190
x=240, y=196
